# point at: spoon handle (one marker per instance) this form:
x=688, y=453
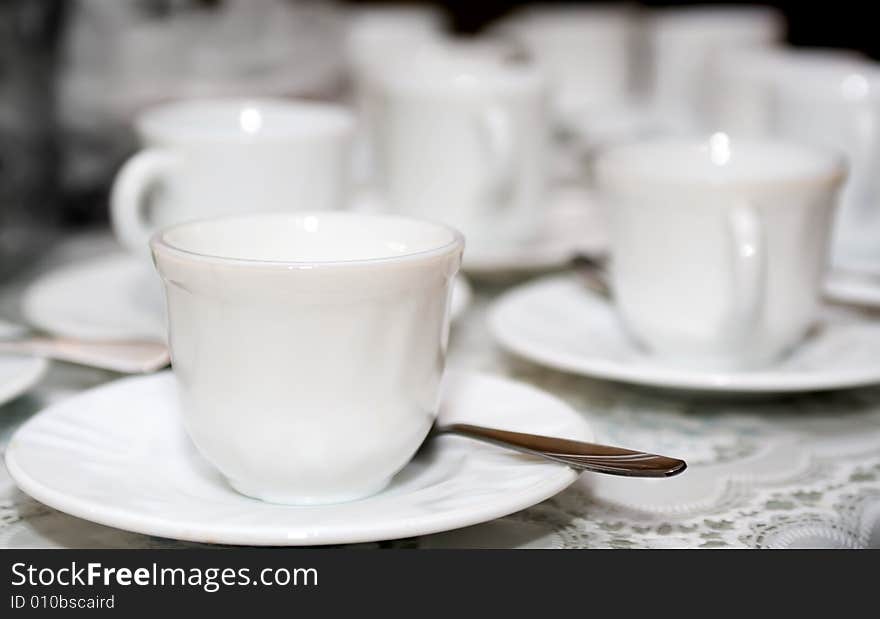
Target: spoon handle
x=594, y=274
x=129, y=357
x=576, y=454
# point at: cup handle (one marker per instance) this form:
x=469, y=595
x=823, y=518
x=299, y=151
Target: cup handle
x=749, y=268
x=141, y=172
x=497, y=133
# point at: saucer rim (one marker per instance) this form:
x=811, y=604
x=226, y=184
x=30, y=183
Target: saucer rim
x=765, y=380
x=211, y=533
x=33, y=301
x=33, y=369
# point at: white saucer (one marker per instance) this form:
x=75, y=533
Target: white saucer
x=572, y=224
x=117, y=455
x=856, y=287
x=113, y=297
x=18, y=374
x=119, y=297
x=557, y=322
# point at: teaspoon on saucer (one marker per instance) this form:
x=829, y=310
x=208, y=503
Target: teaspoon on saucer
x=127, y=357
x=593, y=271
x=576, y=454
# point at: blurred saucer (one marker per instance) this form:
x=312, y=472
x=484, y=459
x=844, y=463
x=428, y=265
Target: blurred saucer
x=572, y=224
x=18, y=374
x=557, y=322
x=854, y=287
x=117, y=455
x=119, y=297
x=109, y=298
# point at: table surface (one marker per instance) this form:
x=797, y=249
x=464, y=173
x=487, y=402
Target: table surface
x=794, y=471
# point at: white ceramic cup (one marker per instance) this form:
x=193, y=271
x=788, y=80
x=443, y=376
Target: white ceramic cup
x=465, y=142
x=837, y=105
x=718, y=245
x=681, y=48
x=209, y=157
x=744, y=80
x=587, y=52
x=308, y=347
x=377, y=38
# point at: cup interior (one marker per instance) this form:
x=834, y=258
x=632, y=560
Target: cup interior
x=718, y=160
x=237, y=119
x=305, y=239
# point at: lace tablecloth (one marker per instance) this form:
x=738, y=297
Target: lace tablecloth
x=800, y=471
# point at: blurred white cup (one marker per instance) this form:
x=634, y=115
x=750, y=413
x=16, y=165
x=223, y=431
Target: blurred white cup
x=377, y=38
x=838, y=105
x=210, y=157
x=464, y=141
x=587, y=52
x=718, y=246
x=681, y=45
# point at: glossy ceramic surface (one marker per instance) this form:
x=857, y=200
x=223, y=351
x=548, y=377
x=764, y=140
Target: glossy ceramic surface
x=268, y=315
x=718, y=245
x=210, y=157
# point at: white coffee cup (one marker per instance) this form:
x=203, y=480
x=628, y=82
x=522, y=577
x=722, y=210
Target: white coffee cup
x=718, y=245
x=837, y=105
x=744, y=80
x=465, y=142
x=587, y=52
x=308, y=347
x=682, y=44
x=377, y=38
x=210, y=157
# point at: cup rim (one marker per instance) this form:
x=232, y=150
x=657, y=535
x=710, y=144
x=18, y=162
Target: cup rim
x=831, y=171
x=160, y=245
x=153, y=123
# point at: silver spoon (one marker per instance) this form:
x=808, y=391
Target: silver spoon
x=593, y=271
x=576, y=454
x=127, y=357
